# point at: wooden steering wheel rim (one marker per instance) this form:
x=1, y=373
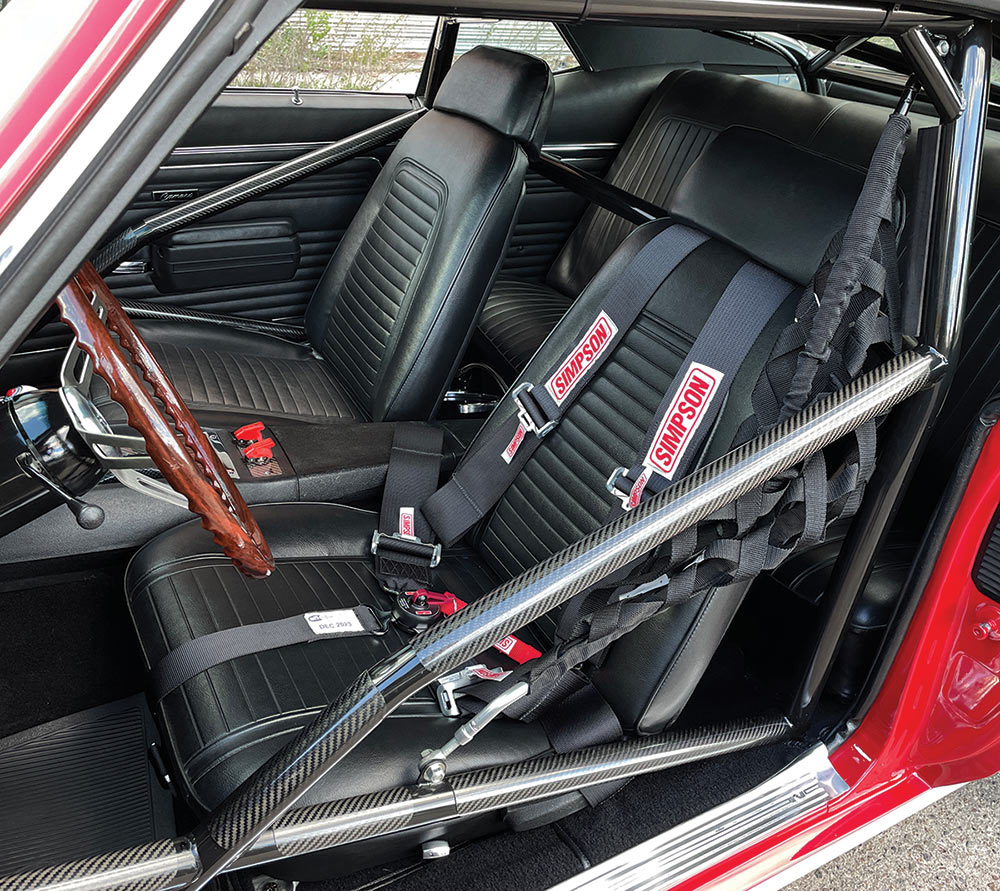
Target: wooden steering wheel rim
x=174, y=440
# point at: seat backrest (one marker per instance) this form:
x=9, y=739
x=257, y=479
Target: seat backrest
x=784, y=205
x=397, y=303
x=683, y=115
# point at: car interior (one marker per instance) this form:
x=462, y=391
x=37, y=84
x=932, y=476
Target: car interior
x=476, y=224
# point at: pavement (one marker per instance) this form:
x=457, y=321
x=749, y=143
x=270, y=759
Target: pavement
x=953, y=844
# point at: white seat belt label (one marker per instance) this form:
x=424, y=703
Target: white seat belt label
x=335, y=621
x=597, y=339
x=682, y=419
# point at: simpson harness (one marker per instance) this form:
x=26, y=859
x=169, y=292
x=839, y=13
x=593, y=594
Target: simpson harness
x=851, y=307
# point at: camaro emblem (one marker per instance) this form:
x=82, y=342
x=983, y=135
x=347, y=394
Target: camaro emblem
x=597, y=339
x=680, y=421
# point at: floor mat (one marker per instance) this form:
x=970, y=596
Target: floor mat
x=79, y=786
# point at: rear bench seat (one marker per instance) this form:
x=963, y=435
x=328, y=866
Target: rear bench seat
x=685, y=113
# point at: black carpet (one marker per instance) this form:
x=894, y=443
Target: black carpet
x=67, y=641
x=540, y=858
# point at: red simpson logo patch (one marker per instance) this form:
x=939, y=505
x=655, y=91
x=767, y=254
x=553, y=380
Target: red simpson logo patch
x=515, y=443
x=593, y=343
x=406, y=521
x=682, y=418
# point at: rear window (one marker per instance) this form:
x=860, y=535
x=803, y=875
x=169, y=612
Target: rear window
x=318, y=49
x=541, y=39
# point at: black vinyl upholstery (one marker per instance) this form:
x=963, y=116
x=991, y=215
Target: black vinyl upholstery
x=224, y=722
x=682, y=117
x=394, y=309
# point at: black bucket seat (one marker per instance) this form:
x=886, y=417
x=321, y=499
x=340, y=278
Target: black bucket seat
x=392, y=314
x=683, y=115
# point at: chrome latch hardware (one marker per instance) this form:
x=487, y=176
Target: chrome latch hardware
x=529, y=413
x=434, y=762
x=464, y=677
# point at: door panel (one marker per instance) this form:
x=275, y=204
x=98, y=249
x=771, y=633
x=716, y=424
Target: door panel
x=247, y=130
x=318, y=209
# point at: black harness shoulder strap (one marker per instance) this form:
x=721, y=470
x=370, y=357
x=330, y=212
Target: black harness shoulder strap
x=493, y=463
x=697, y=395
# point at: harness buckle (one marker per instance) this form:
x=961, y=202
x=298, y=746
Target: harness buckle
x=628, y=491
x=409, y=546
x=457, y=680
x=530, y=413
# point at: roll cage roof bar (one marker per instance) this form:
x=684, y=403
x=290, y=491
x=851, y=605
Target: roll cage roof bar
x=253, y=816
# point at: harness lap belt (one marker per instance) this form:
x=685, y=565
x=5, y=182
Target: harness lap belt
x=195, y=656
x=480, y=481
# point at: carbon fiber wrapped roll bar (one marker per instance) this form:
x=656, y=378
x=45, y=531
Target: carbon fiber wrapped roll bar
x=129, y=241
x=290, y=774
x=170, y=864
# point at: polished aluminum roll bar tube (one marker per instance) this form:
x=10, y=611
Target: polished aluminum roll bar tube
x=956, y=184
x=289, y=775
x=129, y=241
x=923, y=55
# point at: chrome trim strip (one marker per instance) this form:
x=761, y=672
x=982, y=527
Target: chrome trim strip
x=681, y=852
x=811, y=862
x=582, y=147
x=183, y=151
x=265, y=163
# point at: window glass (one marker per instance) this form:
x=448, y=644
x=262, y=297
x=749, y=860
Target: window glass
x=541, y=39
x=323, y=50
x=849, y=64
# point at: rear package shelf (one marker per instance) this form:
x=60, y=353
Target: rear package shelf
x=79, y=786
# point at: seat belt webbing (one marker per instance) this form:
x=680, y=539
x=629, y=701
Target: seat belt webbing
x=195, y=656
x=698, y=393
x=490, y=468
x=692, y=403
x=403, y=546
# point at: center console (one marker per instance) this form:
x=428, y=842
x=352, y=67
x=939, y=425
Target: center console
x=287, y=461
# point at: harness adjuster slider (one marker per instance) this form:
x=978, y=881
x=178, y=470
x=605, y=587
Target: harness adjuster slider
x=406, y=545
x=530, y=413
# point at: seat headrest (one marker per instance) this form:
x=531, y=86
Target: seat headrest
x=508, y=91
x=779, y=203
